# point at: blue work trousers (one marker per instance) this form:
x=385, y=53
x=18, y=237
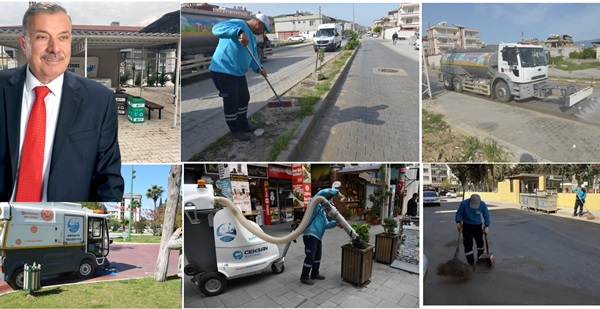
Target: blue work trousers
x=312, y=261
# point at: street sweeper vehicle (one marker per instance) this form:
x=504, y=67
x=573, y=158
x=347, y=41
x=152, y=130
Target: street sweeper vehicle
x=61, y=237
x=505, y=72
x=221, y=244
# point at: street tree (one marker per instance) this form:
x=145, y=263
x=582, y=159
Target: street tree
x=154, y=192
x=162, y=262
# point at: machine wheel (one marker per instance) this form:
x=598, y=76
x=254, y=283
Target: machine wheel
x=277, y=269
x=457, y=84
x=86, y=269
x=190, y=269
x=260, y=53
x=502, y=92
x=212, y=283
x=17, y=279
x=448, y=82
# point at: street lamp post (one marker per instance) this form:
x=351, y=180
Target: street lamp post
x=131, y=204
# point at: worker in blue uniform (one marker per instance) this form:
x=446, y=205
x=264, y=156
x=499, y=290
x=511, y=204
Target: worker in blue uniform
x=468, y=221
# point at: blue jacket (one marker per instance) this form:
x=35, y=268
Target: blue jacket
x=231, y=57
x=472, y=216
x=581, y=193
x=319, y=222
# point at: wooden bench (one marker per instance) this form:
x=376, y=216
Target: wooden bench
x=152, y=106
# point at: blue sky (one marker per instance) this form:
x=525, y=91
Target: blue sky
x=504, y=22
x=128, y=13
x=146, y=175
x=364, y=13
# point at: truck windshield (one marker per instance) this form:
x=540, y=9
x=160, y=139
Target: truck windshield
x=325, y=32
x=532, y=57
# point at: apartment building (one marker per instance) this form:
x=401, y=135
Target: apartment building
x=434, y=175
x=443, y=37
x=299, y=23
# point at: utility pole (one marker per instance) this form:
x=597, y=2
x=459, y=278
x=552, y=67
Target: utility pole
x=353, y=29
x=131, y=204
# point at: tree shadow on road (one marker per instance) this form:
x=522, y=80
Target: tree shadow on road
x=364, y=114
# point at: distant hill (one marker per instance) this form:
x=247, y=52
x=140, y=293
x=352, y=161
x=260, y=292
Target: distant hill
x=586, y=42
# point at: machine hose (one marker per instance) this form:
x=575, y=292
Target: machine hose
x=357, y=242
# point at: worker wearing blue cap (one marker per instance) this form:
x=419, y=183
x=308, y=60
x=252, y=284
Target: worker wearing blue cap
x=228, y=69
x=468, y=221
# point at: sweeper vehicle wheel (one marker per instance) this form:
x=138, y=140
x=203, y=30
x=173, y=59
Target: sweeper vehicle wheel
x=211, y=284
x=277, y=269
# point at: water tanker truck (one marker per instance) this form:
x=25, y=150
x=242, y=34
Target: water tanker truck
x=198, y=42
x=504, y=72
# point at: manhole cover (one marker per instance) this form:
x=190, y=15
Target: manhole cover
x=388, y=71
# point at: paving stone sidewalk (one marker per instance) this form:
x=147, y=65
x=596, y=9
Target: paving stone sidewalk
x=389, y=287
x=155, y=140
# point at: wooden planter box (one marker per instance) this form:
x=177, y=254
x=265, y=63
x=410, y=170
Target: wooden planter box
x=386, y=247
x=357, y=264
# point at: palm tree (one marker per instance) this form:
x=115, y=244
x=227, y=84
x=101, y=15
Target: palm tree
x=154, y=193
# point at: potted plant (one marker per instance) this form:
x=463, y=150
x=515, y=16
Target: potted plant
x=360, y=208
x=377, y=198
x=357, y=263
x=386, y=243
x=347, y=214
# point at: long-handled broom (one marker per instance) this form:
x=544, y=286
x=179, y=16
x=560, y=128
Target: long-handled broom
x=588, y=214
x=455, y=267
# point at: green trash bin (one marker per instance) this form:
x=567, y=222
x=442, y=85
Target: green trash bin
x=135, y=109
x=31, y=277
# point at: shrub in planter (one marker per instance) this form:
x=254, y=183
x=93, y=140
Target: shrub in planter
x=357, y=264
x=386, y=243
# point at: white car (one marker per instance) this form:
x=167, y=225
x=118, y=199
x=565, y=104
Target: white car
x=451, y=194
x=297, y=38
x=431, y=198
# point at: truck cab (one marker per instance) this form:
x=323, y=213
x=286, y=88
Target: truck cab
x=61, y=237
x=522, y=63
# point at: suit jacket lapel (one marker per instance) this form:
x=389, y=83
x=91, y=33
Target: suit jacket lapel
x=69, y=105
x=13, y=98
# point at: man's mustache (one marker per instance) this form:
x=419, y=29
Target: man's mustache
x=53, y=56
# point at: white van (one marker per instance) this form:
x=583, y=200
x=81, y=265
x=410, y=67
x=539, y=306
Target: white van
x=328, y=37
x=61, y=237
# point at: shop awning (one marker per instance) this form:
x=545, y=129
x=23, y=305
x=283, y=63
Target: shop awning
x=360, y=169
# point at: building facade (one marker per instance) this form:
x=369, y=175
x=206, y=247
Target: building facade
x=434, y=175
x=299, y=23
x=442, y=37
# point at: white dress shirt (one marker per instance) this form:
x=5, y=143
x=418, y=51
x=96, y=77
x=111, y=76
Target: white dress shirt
x=52, y=108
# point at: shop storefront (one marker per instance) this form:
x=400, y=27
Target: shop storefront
x=278, y=190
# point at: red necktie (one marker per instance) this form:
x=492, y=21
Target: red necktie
x=29, y=184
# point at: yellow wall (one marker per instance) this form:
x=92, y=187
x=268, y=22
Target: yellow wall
x=565, y=200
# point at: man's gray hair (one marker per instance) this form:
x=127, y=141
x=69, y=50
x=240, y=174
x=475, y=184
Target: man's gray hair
x=42, y=7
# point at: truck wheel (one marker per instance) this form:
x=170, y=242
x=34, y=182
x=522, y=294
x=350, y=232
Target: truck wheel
x=457, y=84
x=448, y=82
x=277, y=269
x=17, y=279
x=502, y=92
x=212, y=283
x=85, y=270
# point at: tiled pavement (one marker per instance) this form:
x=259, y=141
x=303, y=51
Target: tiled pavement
x=155, y=140
x=389, y=287
x=375, y=114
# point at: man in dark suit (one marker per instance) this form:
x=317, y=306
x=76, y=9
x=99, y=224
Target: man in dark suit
x=65, y=148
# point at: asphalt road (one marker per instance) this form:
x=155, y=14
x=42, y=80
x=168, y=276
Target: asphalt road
x=375, y=114
x=533, y=130
x=130, y=260
x=540, y=260
x=202, y=119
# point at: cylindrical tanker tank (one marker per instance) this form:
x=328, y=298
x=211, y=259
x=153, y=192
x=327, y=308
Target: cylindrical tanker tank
x=196, y=29
x=478, y=63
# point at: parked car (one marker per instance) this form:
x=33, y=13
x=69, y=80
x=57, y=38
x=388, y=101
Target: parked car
x=431, y=198
x=297, y=38
x=451, y=194
x=375, y=35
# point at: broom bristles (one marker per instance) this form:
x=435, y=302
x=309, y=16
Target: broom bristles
x=455, y=268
